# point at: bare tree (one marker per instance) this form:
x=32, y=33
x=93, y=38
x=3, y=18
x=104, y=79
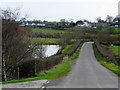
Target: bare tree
x=15, y=46
x=10, y=14
x=117, y=20
x=109, y=19
x=99, y=19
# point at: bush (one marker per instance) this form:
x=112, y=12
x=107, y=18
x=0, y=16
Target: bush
x=30, y=67
x=73, y=49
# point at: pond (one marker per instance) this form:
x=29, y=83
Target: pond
x=45, y=51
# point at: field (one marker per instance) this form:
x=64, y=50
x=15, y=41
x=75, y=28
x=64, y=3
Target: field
x=45, y=40
x=115, y=49
x=117, y=29
x=47, y=31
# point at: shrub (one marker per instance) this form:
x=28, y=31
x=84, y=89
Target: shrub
x=73, y=49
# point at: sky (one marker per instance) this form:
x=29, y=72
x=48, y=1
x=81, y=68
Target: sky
x=54, y=10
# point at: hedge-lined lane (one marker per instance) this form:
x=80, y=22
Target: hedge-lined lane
x=57, y=71
x=104, y=61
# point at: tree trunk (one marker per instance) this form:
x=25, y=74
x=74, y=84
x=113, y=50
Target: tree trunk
x=4, y=71
x=35, y=66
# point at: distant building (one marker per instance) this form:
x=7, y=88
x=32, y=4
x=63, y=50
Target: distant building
x=40, y=25
x=116, y=26
x=85, y=24
x=62, y=20
x=102, y=24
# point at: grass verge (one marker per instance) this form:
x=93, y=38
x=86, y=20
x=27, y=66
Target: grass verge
x=75, y=55
x=66, y=48
x=103, y=61
x=57, y=71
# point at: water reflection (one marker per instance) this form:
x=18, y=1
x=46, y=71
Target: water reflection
x=45, y=51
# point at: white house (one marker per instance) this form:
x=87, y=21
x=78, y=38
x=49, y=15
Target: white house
x=85, y=24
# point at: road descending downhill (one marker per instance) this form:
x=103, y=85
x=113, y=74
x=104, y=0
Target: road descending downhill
x=87, y=73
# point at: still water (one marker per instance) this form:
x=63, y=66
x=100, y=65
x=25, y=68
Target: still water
x=45, y=51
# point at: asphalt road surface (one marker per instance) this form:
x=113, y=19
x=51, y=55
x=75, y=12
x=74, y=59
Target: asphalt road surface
x=86, y=73
x=29, y=84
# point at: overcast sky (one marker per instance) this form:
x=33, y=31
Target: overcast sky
x=54, y=10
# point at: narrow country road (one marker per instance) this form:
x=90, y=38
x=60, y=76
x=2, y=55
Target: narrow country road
x=87, y=73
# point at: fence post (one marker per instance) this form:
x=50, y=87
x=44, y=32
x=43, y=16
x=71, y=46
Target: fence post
x=35, y=66
x=18, y=73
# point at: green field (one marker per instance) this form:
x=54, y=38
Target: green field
x=115, y=49
x=49, y=40
x=47, y=31
x=117, y=29
x=49, y=22
x=45, y=40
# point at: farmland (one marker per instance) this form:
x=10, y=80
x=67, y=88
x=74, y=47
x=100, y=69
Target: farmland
x=47, y=31
x=115, y=49
x=58, y=47
x=45, y=40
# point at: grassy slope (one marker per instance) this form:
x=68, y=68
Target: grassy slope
x=115, y=49
x=111, y=66
x=57, y=71
x=66, y=49
x=47, y=31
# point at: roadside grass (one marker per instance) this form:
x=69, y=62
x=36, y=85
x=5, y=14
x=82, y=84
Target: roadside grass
x=76, y=54
x=47, y=31
x=111, y=66
x=115, y=49
x=66, y=48
x=58, y=71
x=103, y=61
x=45, y=40
x=55, y=72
